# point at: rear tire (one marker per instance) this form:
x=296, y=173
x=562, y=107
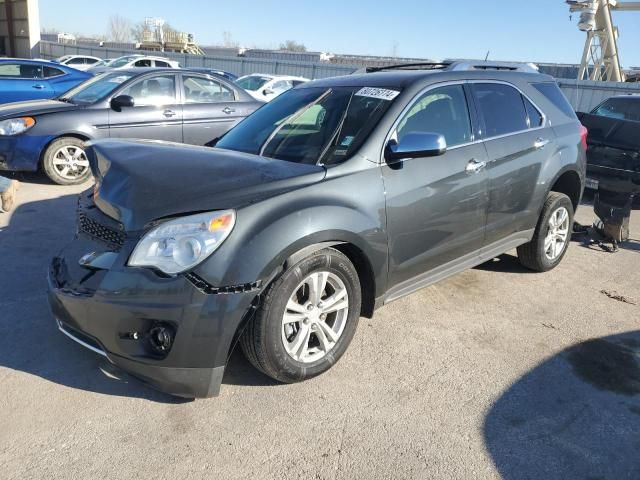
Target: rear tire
x=289, y=338
x=65, y=161
x=552, y=235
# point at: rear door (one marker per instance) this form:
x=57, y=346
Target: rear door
x=156, y=114
x=22, y=81
x=518, y=140
x=436, y=207
x=210, y=109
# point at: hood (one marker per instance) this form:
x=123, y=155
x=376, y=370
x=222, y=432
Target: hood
x=34, y=107
x=139, y=181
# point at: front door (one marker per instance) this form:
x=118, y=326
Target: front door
x=156, y=114
x=436, y=207
x=518, y=141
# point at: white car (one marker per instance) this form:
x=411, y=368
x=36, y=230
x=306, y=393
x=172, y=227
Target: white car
x=130, y=61
x=79, y=62
x=267, y=87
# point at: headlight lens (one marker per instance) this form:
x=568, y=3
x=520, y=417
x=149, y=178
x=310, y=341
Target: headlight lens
x=14, y=126
x=180, y=244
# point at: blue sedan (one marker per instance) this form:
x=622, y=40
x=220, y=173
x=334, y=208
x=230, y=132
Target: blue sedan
x=22, y=79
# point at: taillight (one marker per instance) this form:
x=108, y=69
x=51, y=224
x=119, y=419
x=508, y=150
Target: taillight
x=583, y=135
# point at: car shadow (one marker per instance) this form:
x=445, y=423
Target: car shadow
x=576, y=415
x=30, y=342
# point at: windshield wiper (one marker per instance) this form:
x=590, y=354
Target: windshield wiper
x=64, y=99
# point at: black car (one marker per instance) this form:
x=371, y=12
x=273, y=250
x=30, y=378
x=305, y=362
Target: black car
x=339, y=196
x=613, y=155
x=160, y=104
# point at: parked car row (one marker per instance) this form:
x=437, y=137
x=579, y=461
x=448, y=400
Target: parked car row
x=148, y=103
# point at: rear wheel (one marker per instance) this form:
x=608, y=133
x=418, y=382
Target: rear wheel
x=307, y=318
x=65, y=161
x=552, y=235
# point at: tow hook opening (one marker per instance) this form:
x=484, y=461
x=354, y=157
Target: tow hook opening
x=161, y=337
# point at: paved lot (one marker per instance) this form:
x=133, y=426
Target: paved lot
x=490, y=374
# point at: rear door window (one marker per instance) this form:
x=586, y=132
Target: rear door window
x=50, y=72
x=441, y=110
x=204, y=90
x=160, y=63
x=501, y=107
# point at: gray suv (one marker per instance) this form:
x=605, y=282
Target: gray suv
x=336, y=198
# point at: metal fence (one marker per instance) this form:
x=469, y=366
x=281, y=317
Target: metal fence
x=584, y=95
x=236, y=65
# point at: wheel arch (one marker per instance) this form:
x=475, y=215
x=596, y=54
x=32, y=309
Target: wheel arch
x=78, y=135
x=569, y=183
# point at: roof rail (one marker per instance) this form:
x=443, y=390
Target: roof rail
x=410, y=66
x=466, y=65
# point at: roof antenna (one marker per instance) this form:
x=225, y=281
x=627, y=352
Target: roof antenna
x=487, y=56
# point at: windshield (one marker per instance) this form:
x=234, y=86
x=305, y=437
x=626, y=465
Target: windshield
x=252, y=82
x=311, y=125
x=96, y=88
x=120, y=62
x=620, y=108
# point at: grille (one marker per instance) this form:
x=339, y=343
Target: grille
x=104, y=234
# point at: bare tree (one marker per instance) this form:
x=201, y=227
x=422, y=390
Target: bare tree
x=119, y=29
x=293, y=46
x=227, y=40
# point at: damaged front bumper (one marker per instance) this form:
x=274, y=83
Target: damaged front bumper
x=118, y=312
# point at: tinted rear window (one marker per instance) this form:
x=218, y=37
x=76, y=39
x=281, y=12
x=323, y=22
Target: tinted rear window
x=553, y=93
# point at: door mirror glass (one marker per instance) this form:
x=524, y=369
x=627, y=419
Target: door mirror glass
x=416, y=145
x=268, y=91
x=122, y=101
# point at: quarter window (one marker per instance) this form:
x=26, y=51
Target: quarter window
x=50, y=72
x=160, y=90
x=501, y=107
x=442, y=110
x=203, y=90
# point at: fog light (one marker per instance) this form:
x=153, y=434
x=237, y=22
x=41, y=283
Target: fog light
x=161, y=338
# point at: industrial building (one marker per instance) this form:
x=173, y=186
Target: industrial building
x=19, y=28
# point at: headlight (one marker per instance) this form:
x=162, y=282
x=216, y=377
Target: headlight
x=13, y=126
x=180, y=244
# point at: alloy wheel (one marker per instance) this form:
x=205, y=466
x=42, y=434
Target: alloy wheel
x=558, y=234
x=70, y=162
x=315, y=317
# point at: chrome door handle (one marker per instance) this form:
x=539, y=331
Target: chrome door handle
x=169, y=113
x=540, y=143
x=474, y=166
x=228, y=110
x=38, y=86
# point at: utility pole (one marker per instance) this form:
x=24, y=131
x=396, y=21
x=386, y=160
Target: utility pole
x=600, y=58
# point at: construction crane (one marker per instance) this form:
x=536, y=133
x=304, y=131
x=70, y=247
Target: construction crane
x=600, y=60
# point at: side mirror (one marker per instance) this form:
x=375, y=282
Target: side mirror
x=416, y=145
x=268, y=91
x=121, y=101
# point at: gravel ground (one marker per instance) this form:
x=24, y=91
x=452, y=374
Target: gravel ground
x=494, y=373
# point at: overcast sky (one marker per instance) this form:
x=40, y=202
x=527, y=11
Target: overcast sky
x=537, y=31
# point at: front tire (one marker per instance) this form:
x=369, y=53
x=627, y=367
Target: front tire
x=551, y=238
x=65, y=161
x=307, y=318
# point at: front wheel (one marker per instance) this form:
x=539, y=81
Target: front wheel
x=552, y=235
x=306, y=320
x=65, y=161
